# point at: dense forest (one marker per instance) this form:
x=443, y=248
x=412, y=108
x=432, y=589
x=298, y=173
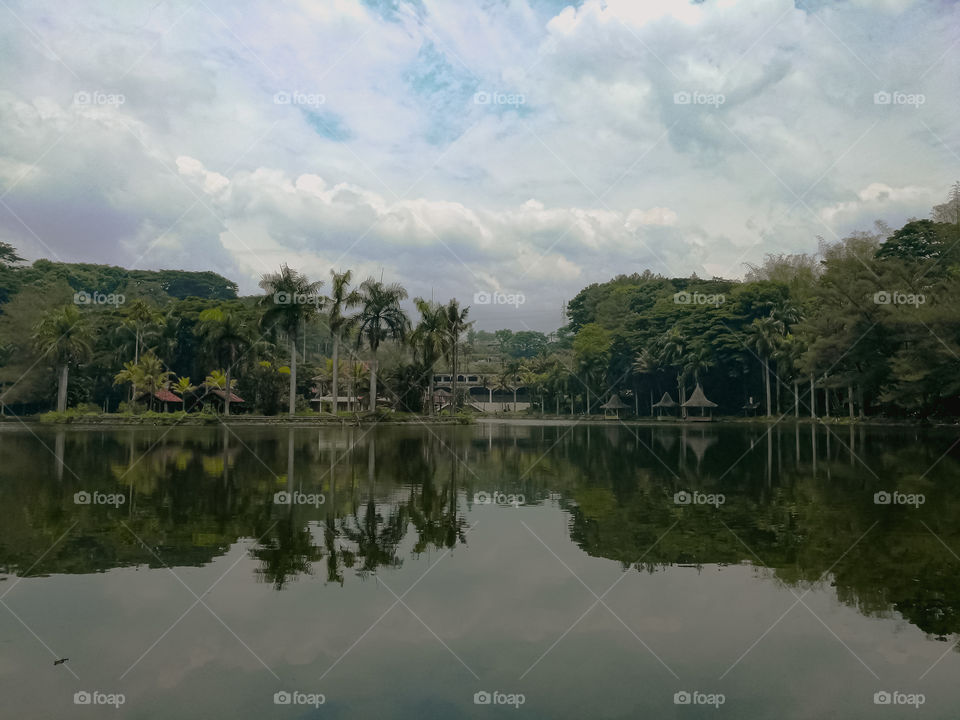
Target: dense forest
x=867, y=326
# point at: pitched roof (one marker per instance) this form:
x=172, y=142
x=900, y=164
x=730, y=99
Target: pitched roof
x=614, y=403
x=222, y=395
x=665, y=401
x=162, y=395
x=698, y=399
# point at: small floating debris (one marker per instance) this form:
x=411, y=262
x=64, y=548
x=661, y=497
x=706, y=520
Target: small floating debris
x=61, y=661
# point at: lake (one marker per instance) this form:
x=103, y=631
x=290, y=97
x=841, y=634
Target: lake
x=513, y=570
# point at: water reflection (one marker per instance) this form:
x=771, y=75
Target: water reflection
x=799, y=500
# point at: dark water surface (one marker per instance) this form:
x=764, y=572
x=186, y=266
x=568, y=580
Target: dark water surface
x=561, y=567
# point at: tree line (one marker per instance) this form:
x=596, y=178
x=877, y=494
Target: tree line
x=866, y=326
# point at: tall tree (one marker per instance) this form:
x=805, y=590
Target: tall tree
x=429, y=340
x=456, y=325
x=226, y=334
x=762, y=336
x=341, y=299
x=380, y=318
x=290, y=300
x=64, y=335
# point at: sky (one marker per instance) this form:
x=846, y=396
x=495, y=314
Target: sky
x=505, y=152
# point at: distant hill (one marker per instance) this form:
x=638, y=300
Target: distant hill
x=177, y=284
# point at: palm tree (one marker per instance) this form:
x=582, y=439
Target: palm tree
x=65, y=335
x=430, y=339
x=153, y=375
x=183, y=387
x=226, y=333
x=456, y=324
x=290, y=300
x=132, y=373
x=340, y=299
x=646, y=364
x=673, y=348
x=698, y=359
x=762, y=336
x=381, y=318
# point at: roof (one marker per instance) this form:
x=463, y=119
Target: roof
x=222, y=395
x=329, y=398
x=665, y=401
x=614, y=403
x=698, y=399
x=162, y=395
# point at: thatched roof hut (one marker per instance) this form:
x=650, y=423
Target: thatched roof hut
x=699, y=400
x=666, y=403
x=614, y=403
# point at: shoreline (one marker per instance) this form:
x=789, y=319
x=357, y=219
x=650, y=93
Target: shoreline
x=363, y=420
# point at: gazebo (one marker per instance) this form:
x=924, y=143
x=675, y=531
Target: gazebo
x=666, y=402
x=164, y=396
x=615, y=404
x=699, y=400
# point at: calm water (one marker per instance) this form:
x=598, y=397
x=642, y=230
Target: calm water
x=583, y=586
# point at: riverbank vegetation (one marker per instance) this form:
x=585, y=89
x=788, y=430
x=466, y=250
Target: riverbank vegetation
x=866, y=327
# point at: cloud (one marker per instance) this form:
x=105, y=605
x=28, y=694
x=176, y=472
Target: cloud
x=383, y=160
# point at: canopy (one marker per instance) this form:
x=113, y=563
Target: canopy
x=698, y=399
x=614, y=403
x=665, y=402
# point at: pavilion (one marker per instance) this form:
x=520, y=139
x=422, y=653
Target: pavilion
x=666, y=402
x=615, y=404
x=699, y=400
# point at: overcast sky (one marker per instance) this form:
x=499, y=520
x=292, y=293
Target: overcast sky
x=523, y=146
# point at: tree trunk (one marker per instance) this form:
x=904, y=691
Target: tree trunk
x=226, y=397
x=293, y=375
x=336, y=372
x=514, y=399
x=453, y=363
x=813, y=399
x=62, y=389
x=766, y=382
x=430, y=390
x=373, y=383
x=850, y=399
x=796, y=399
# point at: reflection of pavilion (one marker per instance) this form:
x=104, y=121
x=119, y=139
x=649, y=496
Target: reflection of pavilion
x=698, y=443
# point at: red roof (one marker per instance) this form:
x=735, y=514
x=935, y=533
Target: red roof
x=222, y=395
x=162, y=395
